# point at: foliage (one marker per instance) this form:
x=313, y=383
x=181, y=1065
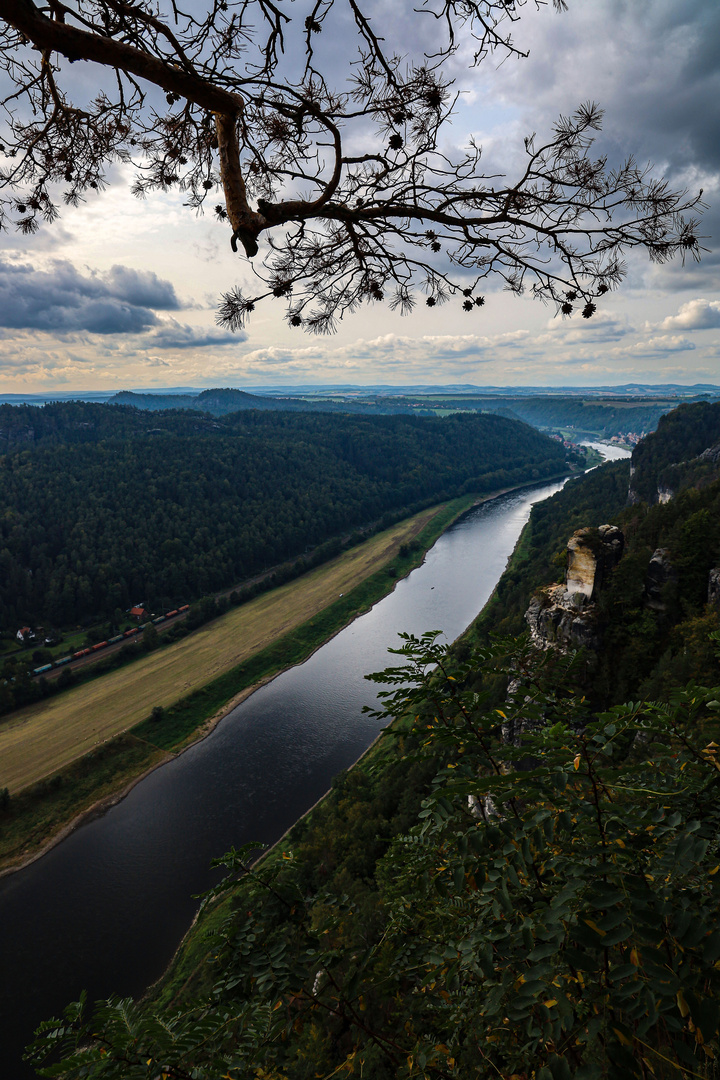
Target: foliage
x=549, y=912
x=349, y=176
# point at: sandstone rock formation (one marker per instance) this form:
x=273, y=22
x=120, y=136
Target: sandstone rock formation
x=565, y=616
x=714, y=586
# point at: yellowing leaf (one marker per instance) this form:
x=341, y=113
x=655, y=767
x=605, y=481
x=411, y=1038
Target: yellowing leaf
x=594, y=926
x=714, y=870
x=550, y=1002
x=682, y=1004
x=623, y=1038
x=576, y=762
x=635, y=958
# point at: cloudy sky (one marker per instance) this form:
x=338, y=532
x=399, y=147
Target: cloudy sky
x=121, y=293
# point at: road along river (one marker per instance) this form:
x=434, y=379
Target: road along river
x=105, y=909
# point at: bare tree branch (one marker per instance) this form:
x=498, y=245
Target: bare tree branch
x=341, y=227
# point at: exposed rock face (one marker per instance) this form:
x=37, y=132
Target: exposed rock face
x=714, y=586
x=565, y=616
x=592, y=553
x=659, y=572
x=633, y=497
x=711, y=454
x=562, y=619
x=582, y=564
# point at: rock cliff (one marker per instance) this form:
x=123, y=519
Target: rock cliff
x=564, y=616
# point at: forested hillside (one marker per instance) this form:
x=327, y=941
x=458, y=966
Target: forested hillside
x=601, y=418
x=654, y=622
x=524, y=886
x=220, y=402
x=586, y=417
x=102, y=507
x=681, y=436
x=605, y=418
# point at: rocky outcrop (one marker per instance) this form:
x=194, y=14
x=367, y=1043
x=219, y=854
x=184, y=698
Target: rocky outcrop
x=660, y=572
x=712, y=454
x=565, y=616
x=714, y=586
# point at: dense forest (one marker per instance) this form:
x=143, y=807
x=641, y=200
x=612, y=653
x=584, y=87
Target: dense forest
x=520, y=884
x=102, y=507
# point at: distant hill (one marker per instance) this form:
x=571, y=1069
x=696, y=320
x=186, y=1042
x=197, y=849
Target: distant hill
x=221, y=402
x=594, y=417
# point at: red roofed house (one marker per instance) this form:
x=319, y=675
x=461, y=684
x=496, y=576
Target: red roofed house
x=138, y=612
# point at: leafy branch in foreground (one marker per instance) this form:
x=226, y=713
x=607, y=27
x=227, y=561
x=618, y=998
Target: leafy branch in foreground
x=552, y=913
x=339, y=160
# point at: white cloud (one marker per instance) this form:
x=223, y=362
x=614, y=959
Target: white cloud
x=656, y=346
x=603, y=326
x=694, y=315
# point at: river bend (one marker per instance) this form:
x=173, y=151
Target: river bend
x=105, y=909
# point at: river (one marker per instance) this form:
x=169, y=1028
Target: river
x=105, y=909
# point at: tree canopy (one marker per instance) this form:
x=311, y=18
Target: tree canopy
x=545, y=911
x=329, y=141
x=106, y=505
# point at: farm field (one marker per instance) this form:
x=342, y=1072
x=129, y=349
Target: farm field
x=42, y=738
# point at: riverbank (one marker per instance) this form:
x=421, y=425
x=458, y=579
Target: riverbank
x=105, y=910
x=188, y=973
x=47, y=811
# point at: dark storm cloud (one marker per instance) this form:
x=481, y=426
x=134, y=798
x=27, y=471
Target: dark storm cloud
x=174, y=335
x=141, y=288
x=652, y=65
x=62, y=300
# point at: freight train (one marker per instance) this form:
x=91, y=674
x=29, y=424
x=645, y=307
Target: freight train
x=110, y=641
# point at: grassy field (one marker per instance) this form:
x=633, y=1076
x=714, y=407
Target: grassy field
x=42, y=812
x=44, y=737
